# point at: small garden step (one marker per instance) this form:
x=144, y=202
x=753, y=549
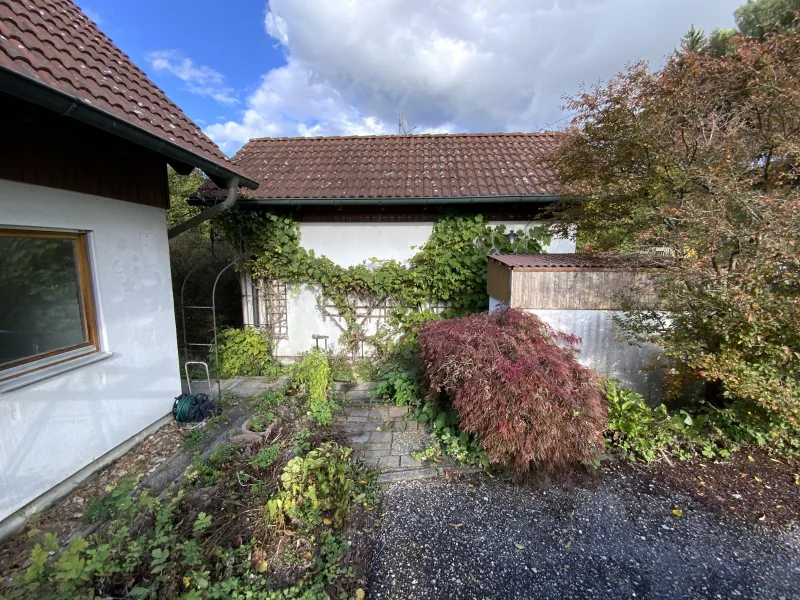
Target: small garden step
x=384, y=437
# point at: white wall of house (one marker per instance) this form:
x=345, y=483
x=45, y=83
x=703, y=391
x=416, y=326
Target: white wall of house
x=349, y=244
x=53, y=428
x=604, y=350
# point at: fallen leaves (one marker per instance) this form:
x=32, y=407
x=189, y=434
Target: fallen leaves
x=677, y=512
x=519, y=546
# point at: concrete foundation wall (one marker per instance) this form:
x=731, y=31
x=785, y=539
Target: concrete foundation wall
x=349, y=244
x=51, y=429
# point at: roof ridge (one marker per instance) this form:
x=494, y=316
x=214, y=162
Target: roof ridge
x=408, y=136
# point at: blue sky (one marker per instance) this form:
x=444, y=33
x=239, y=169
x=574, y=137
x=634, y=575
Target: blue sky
x=350, y=67
x=220, y=35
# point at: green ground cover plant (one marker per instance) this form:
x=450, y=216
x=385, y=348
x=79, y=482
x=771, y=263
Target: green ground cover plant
x=652, y=433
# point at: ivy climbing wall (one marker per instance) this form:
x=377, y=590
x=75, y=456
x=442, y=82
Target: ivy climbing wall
x=414, y=266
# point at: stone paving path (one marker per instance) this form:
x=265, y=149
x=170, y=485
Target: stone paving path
x=383, y=438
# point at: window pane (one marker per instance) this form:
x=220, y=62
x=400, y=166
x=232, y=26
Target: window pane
x=40, y=308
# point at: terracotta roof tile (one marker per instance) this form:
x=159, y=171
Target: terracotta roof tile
x=54, y=43
x=407, y=166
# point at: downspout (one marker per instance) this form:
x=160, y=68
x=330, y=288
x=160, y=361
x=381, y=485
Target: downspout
x=233, y=186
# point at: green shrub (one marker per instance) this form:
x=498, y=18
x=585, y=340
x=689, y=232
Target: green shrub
x=117, y=501
x=245, y=352
x=635, y=427
x=748, y=423
x=312, y=377
x=341, y=369
x=260, y=423
x=651, y=433
x=321, y=483
x=400, y=386
x=193, y=437
x=265, y=458
x=448, y=438
x=269, y=399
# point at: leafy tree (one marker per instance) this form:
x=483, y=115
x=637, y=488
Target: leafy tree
x=754, y=19
x=180, y=188
x=694, y=40
x=703, y=158
x=719, y=41
x=758, y=18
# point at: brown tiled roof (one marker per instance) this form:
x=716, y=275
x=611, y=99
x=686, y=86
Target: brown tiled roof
x=398, y=166
x=53, y=43
x=576, y=261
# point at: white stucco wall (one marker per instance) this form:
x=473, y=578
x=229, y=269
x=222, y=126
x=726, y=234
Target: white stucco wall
x=51, y=429
x=349, y=244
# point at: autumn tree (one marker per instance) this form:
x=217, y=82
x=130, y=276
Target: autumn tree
x=702, y=158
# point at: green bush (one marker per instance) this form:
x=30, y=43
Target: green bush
x=399, y=386
x=318, y=486
x=245, y=352
x=260, y=423
x=341, y=369
x=264, y=458
x=448, y=438
x=312, y=377
x=651, y=433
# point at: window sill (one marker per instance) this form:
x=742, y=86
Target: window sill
x=24, y=379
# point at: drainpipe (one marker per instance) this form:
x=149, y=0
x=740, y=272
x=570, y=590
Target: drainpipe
x=233, y=185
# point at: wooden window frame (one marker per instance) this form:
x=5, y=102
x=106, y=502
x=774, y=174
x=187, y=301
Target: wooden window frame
x=85, y=299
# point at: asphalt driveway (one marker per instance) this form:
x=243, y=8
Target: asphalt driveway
x=617, y=539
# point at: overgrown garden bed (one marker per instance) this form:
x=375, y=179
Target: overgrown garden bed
x=288, y=514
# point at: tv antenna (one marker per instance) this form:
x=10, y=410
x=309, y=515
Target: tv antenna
x=402, y=126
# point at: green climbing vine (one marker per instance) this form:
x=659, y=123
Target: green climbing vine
x=449, y=268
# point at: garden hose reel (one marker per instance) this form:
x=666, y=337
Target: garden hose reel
x=194, y=408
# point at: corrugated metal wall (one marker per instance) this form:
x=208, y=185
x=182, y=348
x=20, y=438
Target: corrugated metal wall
x=604, y=352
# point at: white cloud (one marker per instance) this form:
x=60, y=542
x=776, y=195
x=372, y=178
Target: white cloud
x=199, y=79
x=292, y=101
x=451, y=65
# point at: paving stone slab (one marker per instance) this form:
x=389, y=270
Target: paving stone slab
x=409, y=462
x=370, y=453
x=406, y=442
x=390, y=462
x=376, y=445
x=407, y=475
x=381, y=436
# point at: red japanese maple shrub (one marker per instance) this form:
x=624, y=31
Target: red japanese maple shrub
x=518, y=388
